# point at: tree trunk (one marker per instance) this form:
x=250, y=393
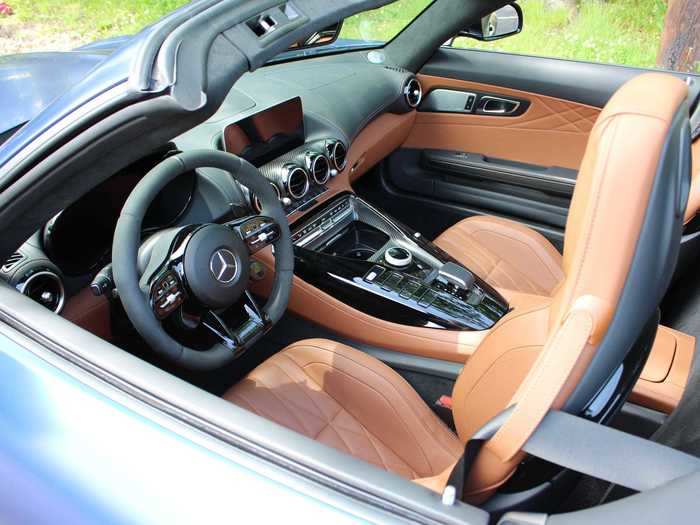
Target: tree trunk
x=680, y=41
x=556, y=4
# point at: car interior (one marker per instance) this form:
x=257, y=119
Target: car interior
x=411, y=264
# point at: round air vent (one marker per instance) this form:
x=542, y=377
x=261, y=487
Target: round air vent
x=296, y=181
x=46, y=288
x=319, y=167
x=413, y=92
x=338, y=155
x=255, y=201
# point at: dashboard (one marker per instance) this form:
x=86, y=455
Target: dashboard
x=302, y=124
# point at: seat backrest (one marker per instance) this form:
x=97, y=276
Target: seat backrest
x=621, y=244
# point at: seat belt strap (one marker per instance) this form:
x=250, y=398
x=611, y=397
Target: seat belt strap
x=543, y=385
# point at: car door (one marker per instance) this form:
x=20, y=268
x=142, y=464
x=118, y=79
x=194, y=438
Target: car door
x=496, y=133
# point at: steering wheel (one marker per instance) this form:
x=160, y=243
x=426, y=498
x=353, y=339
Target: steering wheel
x=204, y=267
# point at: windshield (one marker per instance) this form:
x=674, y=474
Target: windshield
x=367, y=29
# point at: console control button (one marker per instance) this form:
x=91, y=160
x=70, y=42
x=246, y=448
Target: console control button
x=427, y=298
x=409, y=289
x=419, y=293
x=398, y=257
x=475, y=296
x=374, y=274
x=392, y=282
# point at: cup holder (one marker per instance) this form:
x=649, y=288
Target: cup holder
x=359, y=253
x=356, y=241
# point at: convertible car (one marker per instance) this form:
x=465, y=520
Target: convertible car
x=255, y=269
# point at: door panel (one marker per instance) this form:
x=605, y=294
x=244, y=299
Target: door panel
x=458, y=161
x=551, y=132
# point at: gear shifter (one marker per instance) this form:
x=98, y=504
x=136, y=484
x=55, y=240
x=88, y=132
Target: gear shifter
x=456, y=276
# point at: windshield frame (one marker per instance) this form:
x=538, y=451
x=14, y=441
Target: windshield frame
x=292, y=55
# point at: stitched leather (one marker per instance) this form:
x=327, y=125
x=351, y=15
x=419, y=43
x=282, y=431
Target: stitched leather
x=350, y=401
x=615, y=181
x=552, y=132
x=505, y=254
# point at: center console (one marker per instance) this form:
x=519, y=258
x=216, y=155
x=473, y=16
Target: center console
x=347, y=248
x=373, y=263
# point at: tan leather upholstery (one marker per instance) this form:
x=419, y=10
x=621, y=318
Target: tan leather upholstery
x=665, y=374
x=505, y=253
x=615, y=181
x=552, y=132
x=350, y=401
x=534, y=357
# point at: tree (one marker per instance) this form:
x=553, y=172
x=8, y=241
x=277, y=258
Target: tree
x=680, y=41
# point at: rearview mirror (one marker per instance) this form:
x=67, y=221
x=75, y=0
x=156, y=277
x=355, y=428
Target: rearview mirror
x=504, y=22
x=325, y=36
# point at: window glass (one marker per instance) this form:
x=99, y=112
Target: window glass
x=640, y=33
x=382, y=24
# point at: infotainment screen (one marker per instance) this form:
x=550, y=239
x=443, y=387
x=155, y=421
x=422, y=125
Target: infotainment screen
x=265, y=136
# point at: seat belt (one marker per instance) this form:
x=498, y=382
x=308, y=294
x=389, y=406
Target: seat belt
x=593, y=449
x=539, y=391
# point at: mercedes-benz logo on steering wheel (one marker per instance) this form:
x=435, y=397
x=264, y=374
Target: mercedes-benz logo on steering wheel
x=223, y=266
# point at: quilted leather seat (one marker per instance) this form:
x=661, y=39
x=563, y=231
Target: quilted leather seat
x=352, y=402
x=505, y=254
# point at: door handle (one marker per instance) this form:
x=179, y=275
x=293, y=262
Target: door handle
x=489, y=105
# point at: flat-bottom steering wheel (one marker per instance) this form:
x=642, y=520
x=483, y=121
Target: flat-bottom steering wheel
x=203, y=267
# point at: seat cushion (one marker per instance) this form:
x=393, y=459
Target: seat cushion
x=349, y=400
x=505, y=254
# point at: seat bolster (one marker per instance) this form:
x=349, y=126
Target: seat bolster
x=693, y=206
x=505, y=254
x=351, y=401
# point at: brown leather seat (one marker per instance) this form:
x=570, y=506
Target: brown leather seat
x=505, y=254
x=350, y=401
x=538, y=354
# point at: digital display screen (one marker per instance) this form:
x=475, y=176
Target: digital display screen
x=265, y=136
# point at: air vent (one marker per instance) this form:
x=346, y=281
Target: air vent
x=413, y=92
x=12, y=262
x=319, y=167
x=338, y=155
x=255, y=201
x=296, y=181
x=46, y=288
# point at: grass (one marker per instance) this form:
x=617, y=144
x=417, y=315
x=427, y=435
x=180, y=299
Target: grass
x=384, y=23
x=615, y=31
x=93, y=19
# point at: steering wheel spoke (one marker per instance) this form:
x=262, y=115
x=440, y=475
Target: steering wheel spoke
x=238, y=339
x=256, y=231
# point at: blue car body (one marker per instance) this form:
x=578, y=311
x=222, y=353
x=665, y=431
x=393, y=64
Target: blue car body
x=70, y=454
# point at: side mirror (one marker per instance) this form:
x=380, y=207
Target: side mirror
x=325, y=36
x=504, y=22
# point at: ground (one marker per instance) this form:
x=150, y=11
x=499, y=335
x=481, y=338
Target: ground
x=617, y=31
